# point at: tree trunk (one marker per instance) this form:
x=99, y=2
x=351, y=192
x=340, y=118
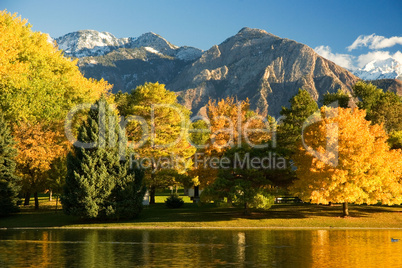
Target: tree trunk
x=57, y=200
x=152, y=191
x=196, y=197
x=246, y=211
x=50, y=195
x=229, y=200
x=345, y=209
x=36, y=200
x=27, y=198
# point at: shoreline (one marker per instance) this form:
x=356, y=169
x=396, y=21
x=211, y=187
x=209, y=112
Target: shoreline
x=196, y=227
x=192, y=217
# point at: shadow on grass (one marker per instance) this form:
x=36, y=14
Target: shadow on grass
x=210, y=213
x=47, y=217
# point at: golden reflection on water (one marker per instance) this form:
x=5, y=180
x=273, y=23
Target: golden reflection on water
x=195, y=248
x=351, y=248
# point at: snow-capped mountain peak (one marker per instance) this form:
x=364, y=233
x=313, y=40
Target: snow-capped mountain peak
x=87, y=43
x=383, y=65
x=152, y=40
x=381, y=69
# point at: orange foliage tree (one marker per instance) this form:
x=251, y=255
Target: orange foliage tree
x=38, y=147
x=359, y=166
x=232, y=123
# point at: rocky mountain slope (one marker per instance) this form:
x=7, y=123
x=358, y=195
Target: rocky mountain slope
x=127, y=62
x=260, y=66
x=392, y=85
x=252, y=64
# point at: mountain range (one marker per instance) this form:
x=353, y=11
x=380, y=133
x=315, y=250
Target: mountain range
x=252, y=64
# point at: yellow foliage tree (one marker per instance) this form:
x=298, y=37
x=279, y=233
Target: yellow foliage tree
x=358, y=168
x=37, y=83
x=157, y=134
x=38, y=86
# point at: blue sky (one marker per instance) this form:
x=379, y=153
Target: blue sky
x=335, y=25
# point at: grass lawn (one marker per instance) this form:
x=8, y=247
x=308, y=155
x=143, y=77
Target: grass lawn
x=208, y=215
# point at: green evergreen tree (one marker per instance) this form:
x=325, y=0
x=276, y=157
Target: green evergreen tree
x=340, y=96
x=367, y=94
x=98, y=184
x=381, y=107
x=9, y=182
x=128, y=193
x=302, y=106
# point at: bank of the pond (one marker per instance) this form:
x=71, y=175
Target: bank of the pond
x=209, y=216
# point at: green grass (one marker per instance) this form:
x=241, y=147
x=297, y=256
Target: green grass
x=209, y=215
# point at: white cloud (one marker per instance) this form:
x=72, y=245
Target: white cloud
x=374, y=41
x=398, y=56
x=351, y=62
x=363, y=59
x=343, y=60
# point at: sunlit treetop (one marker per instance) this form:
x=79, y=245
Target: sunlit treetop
x=37, y=83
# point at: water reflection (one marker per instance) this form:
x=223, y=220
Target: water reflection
x=194, y=248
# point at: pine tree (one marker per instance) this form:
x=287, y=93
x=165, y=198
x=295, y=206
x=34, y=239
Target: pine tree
x=381, y=107
x=98, y=183
x=341, y=97
x=302, y=106
x=128, y=193
x=9, y=182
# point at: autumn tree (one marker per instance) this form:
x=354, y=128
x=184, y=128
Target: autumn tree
x=235, y=132
x=38, y=86
x=9, y=181
x=157, y=129
x=99, y=181
x=225, y=118
x=345, y=160
x=231, y=124
x=37, y=82
x=38, y=146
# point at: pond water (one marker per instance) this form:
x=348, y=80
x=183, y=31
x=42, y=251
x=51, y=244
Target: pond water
x=200, y=248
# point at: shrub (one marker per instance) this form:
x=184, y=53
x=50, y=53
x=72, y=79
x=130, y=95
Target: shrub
x=174, y=201
x=262, y=200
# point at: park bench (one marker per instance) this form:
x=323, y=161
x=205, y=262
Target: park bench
x=287, y=199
